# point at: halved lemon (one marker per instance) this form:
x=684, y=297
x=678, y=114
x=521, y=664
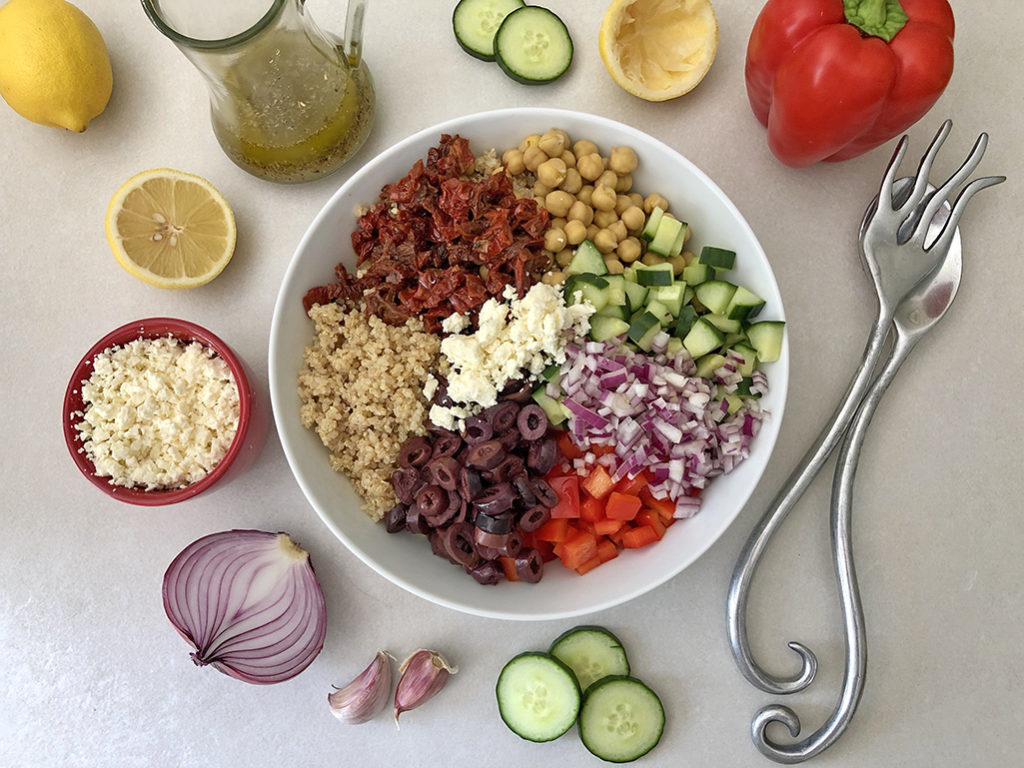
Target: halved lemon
x=658, y=49
x=171, y=229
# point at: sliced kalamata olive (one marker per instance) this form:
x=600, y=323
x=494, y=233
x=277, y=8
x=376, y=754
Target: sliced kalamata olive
x=415, y=452
x=458, y=541
x=463, y=512
x=524, y=487
x=496, y=499
x=512, y=546
x=543, y=456
x=544, y=494
x=415, y=522
x=470, y=483
x=529, y=565
x=431, y=500
x=444, y=471
x=534, y=518
x=437, y=546
x=509, y=468
x=487, y=539
x=502, y=416
x=532, y=422
x=485, y=455
x=493, y=523
x=406, y=482
x=486, y=553
x=510, y=440
x=488, y=572
x=394, y=518
x=518, y=391
x=444, y=517
x=477, y=430
x=446, y=443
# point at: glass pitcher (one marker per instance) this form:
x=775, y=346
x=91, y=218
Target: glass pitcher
x=288, y=101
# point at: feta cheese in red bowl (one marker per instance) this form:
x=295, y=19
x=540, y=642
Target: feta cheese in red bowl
x=159, y=410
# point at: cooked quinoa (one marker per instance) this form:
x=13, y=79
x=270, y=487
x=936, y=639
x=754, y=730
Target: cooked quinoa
x=361, y=387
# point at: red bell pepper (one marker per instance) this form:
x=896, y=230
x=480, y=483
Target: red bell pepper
x=832, y=79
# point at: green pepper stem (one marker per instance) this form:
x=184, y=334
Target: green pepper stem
x=876, y=18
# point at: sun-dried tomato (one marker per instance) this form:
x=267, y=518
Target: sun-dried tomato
x=421, y=249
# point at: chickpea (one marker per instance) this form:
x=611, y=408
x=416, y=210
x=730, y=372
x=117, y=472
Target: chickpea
x=551, y=172
x=558, y=222
x=652, y=201
x=583, y=147
x=569, y=158
x=677, y=262
x=629, y=250
x=603, y=198
x=592, y=231
x=559, y=203
x=615, y=267
x=622, y=203
x=686, y=234
x=689, y=257
x=618, y=229
x=590, y=166
x=554, y=277
x=554, y=240
x=608, y=178
x=573, y=182
x=540, y=191
x=530, y=141
x=513, y=162
x=575, y=232
x=605, y=218
x=563, y=257
x=580, y=211
x=625, y=183
x=552, y=143
x=565, y=136
x=638, y=199
x=605, y=241
x=533, y=157
x=633, y=218
x=622, y=160
x=650, y=259
x=585, y=193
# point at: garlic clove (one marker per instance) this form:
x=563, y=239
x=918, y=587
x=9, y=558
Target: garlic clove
x=365, y=696
x=424, y=674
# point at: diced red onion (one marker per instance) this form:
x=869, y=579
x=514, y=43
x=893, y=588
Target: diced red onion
x=249, y=603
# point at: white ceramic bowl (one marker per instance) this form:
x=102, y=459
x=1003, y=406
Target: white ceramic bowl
x=407, y=560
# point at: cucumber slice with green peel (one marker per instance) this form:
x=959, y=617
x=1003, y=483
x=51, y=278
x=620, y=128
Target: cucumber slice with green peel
x=743, y=389
x=538, y=696
x=719, y=258
x=653, y=220
x=660, y=311
x=668, y=229
x=733, y=401
x=620, y=311
x=684, y=322
x=603, y=327
x=715, y=295
x=552, y=373
x=708, y=364
x=476, y=22
x=636, y=294
x=533, y=46
x=587, y=260
x=675, y=346
x=677, y=245
x=702, y=338
x=724, y=324
x=656, y=274
x=744, y=304
x=617, y=289
x=591, y=653
x=553, y=409
x=766, y=338
x=621, y=719
x=696, y=273
x=749, y=355
x=669, y=295
x=643, y=330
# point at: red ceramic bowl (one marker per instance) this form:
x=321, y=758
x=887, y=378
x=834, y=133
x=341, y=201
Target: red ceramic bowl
x=252, y=422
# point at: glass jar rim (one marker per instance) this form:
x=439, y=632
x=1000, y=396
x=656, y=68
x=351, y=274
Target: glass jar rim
x=152, y=9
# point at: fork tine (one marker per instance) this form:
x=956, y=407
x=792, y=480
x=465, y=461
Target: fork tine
x=885, y=192
x=939, y=196
x=944, y=239
x=924, y=169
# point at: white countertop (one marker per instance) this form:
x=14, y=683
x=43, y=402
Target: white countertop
x=94, y=674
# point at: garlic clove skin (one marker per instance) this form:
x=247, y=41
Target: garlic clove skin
x=423, y=675
x=366, y=695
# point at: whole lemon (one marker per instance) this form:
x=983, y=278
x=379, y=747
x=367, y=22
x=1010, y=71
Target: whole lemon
x=54, y=69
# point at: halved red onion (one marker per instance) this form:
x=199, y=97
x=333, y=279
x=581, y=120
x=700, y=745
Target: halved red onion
x=249, y=603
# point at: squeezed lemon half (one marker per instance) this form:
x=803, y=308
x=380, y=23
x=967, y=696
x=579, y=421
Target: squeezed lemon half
x=171, y=229
x=658, y=49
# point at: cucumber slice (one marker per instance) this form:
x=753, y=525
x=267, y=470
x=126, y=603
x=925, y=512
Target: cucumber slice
x=636, y=294
x=603, y=327
x=708, y=364
x=587, y=260
x=591, y=653
x=668, y=229
x=532, y=46
x=669, y=295
x=621, y=719
x=620, y=311
x=552, y=373
x=677, y=245
x=656, y=274
x=749, y=355
x=553, y=409
x=696, y=273
x=744, y=304
x=715, y=295
x=684, y=322
x=660, y=311
x=719, y=258
x=476, y=22
x=766, y=338
x=675, y=346
x=651, y=227
x=724, y=324
x=538, y=696
x=702, y=338
x=616, y=290
x=643, y=330
x=588, y=287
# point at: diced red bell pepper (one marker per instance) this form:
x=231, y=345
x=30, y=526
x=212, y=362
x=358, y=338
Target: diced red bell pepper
x=578, y=548
x=607, y=550
x=567, y=448
x=638, y=537
x=632, y=487
x=607, y=526
x=666, y=508
x=591, y=509
x=590, y=565
x=621, y=506
x=598, y=483
x=647, y=516
x=554, y=530
x=509, y=566
x=568, y=490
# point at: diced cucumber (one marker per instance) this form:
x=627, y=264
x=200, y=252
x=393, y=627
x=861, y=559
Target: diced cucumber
x=538, y=696
x=668, y=229
x=724, y=324
x=744, y=304
x=685, y=321
x=552, y=373
x=591, y=653
x=603, y=327
x=702, y=338
x=697, y=273
x=677, y=245
x=749, y=355
x=621, y=719
x=766, y=338
x=656, y=274
x=636, y=294
x=669, y=295
x=660, y=311
x=734, y=401
x=719, y=258
x=533, y=46
x=476, y=21
x=675, y=346
x=715, y=295
x=553, y=409
x=620, y=311
x=587, y=260
x=616, y=289
x=653, y=220
x=708, y=364
x=643, y=330
x=590, y=288
x=743, y=389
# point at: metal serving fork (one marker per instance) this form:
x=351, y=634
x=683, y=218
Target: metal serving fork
x=911, y=257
